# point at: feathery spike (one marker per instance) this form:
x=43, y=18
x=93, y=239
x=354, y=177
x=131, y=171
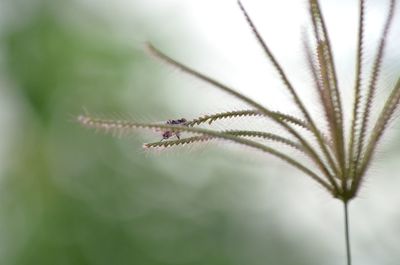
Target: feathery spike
x=353, y=154
x=239, y=133
x=374, y=78
x=329, y=77
x=246, y=113
x=106, y=125
x=389, y=109
x=292, y=91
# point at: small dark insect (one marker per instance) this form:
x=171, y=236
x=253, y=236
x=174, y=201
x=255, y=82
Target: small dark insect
x=168, y=134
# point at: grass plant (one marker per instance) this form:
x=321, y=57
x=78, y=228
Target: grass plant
x=338, y=160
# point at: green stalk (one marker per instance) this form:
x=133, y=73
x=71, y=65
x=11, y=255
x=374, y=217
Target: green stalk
x=347, y=232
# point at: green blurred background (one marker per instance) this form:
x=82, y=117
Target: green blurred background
x=71, y=196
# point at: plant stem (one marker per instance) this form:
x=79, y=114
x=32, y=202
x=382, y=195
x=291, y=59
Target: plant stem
x=347, y=232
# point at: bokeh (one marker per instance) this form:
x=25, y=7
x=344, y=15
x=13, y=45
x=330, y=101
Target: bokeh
x=72, y=196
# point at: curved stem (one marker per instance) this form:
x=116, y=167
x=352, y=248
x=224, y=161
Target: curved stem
x=124, y=126
x=347, y=231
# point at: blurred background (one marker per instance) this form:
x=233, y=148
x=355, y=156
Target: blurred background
x=72, y=196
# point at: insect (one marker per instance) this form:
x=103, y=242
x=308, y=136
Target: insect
x=168, y=134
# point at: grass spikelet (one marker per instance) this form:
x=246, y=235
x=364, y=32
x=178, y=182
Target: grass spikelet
x=238, y=133
x=267, y=136
x=223, y=115
x=374, y=78
x=246, y=113
x=329, y=79
x=387, y=113
x=185, y=141
x=109, y=125
x=298, y=102
x=355, y=133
